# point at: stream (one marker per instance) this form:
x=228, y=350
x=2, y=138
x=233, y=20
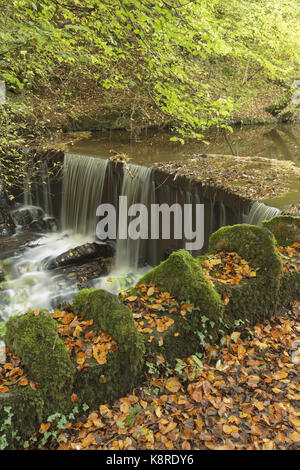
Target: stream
x=88, y=181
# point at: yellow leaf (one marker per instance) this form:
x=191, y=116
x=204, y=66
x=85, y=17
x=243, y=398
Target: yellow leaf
x=230, y=429
x=80, y=358
x=173, y=385
x=268, y=445
x=150, y=291
x=295, y=436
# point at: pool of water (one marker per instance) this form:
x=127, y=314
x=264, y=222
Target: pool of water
x=281, y=141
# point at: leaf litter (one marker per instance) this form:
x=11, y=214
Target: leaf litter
x=243, y=395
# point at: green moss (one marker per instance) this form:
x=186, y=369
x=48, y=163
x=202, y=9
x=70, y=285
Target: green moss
x=45, y=360
x=255, y=244
x=123, y=369
x=289, y=288
x=2, y=329
x=44, y=357
x=257, y=298
x=286, y=229
x=26, y=406
x=182, y=277
x=185, y=337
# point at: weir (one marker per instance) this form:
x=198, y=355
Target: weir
x=90, y=181
x=259, y=212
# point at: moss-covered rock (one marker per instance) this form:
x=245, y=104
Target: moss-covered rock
x=123, y=369
x=47, y=362
x=257, y=298
x=21, y=413
x=44, y=356
x=172, y=329
x=285, y=228
x=181, y=276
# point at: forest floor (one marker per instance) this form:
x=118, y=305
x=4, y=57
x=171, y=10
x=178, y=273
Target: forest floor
x=242, y=395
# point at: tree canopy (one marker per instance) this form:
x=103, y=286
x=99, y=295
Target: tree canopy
x=160, y=50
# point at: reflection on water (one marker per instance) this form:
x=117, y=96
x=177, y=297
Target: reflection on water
x=280, y=141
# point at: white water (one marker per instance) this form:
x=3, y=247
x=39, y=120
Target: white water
x=33, y=287
x=136, y=186
x=84, y=178
x=83, y=183
x=259, y=212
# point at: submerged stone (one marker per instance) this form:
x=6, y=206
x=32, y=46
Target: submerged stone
x=80, y=254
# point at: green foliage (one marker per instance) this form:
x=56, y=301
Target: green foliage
x=158, y=53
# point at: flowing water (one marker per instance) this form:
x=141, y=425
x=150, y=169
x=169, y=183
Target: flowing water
x=136, y=187
x=88, y=181
x=259, y=212
x=83, y=182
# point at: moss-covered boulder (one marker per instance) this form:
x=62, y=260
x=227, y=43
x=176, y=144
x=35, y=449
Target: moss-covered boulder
x=44, y=355
x=257, y=298
x=21, y=413
x=47, y=362
x=285, y=228
x=181, y=276
x=123, y=369
x=172, y=329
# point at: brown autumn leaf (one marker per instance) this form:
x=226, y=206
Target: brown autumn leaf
x=44, y=427
x=23, y=382
x=197, y=395
x=172, y=384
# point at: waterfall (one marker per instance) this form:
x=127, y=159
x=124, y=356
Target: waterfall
x=136, y=187
x=47, y=199
x=259, y=212
x=37, y=192
x=83, y=182
x=222, y=215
